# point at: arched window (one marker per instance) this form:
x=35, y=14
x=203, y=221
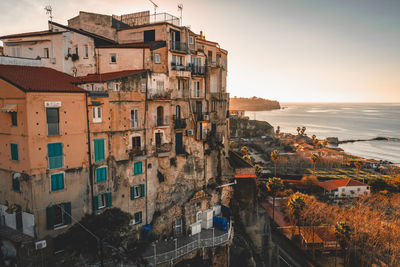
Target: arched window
x=178, y=112
x=160, y=115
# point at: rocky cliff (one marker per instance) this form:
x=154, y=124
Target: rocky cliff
x=245, y=128
x=253, y=104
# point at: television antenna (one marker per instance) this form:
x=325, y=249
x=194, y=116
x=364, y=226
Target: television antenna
x=155, y=6
x=180, y=8
x=49, y=11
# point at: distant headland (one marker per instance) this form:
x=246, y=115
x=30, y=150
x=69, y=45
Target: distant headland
x=253, y=104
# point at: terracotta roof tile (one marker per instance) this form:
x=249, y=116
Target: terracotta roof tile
x=29, y=34
x=336, y=183
x=38, y=79
x=103, y=77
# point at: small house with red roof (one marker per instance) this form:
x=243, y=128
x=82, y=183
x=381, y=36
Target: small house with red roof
x=345, y=188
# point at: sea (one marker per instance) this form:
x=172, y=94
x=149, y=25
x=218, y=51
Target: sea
x=347, y=121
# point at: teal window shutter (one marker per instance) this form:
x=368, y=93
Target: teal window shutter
x=101, y=174
x=109, y=199
x=55, y=155
x=57, y=181
x=142, y=193
x=14, y=151
x=137, y=168
x=99, y=152
x=132, y=192
x=16, y=185
x=50, y=218
x=96, y=202
x=140, y=167
x=67, y=215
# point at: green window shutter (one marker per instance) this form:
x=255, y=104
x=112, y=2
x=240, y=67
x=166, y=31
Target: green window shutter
x=99, y=152
x=142, y=193
x=132, y=192
x=137, y=168
x=57, y=181
x=50, y=218
x=101, y=174
x=140, y=167
x=16, y=184
x=55, y=155
x=68, y=210
x=96, y=202
x=14, y=151
x=109, y=199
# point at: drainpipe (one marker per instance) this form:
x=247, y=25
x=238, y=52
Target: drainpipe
x=89, y=152
x=145, y=137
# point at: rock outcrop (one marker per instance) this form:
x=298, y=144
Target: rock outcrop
x=245, y=128
x=253, y=104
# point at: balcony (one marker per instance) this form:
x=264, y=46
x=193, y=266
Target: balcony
x=213, y=64
x=136, y=152
x=178, y=46
x=162, y=121
x=163, y=150
x=198, y=70
x=179, y=123
x=159, y=94
x=202, y=116
x=180, y=71
x=181, y=67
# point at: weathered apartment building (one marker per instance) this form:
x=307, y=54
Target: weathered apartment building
x=112, y=111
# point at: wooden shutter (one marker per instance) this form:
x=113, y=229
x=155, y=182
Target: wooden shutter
x=132, y=192
x=99, y=153
x=14, y=151
x=67, y=215
x=50, y=217
x=142, y=193
x=96, y=202
x=140, y=165
x=109, y=199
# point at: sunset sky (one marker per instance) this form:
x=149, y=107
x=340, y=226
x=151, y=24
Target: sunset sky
x=291, y=51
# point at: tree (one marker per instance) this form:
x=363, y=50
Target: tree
x=275, y=158
x=358, y=165
x=274, y=186
x=303, y=130
x=296, y=205
x=343, y=235
x=314, y=159
x=298, y=130
x=278, y=130
x=310, y=183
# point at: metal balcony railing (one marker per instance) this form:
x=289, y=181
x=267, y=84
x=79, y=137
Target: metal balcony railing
x=181, y=67
x=179, y=123
x=166, y=147
x=159, y=94
x=178, y=46
x=136, y=152
x=162, y=121
x=198, y=70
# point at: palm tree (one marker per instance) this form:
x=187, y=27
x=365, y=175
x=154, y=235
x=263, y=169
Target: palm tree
x=314, y=139
x=358, y=165
x=278, y=130
x=314, y=159
x=275, y=158
x=296, y=205
x=303, y=130
x=298, y=130
x=274, y=186
x=343, y=233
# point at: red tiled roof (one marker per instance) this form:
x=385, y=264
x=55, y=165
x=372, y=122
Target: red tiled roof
x=107, y=76
x=336, y=183
x=28, y=34
x=249, y=175
x=38, y=79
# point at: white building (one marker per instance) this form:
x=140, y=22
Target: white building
x=345, y=188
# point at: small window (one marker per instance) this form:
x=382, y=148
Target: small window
x=101, y=174
x=160, y=85
x=138, y=218
x=342, y=189
x=178, y=226
x=76, y=50
x=16, y=186
x=46, y=53
x=191, y=40
x=157, y=58
x=116, y=87
x=86, y=51
x=113, y=58
x=14, y=121
x=137, y=191
x=57, y=181
x=102, y=201
x=137, y=168
x=134, y=118
x=358, y=189
x=52, y=117
x=136, y=143
x=14, y=152
x=97, y=115
x=58, y=215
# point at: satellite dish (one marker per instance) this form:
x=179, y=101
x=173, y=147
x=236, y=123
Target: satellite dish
x=16, y=175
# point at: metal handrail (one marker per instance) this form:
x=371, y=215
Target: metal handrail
x=186, y=249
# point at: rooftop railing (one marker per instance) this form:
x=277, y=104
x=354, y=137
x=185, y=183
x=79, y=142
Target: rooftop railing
x=136, y=19
x=178, y=46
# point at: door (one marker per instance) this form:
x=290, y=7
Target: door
x=178, y=143
x=199, y=109
x=160, y=115
x=158, y=140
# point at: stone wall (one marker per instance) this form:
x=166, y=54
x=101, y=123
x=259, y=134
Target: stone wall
x=245, y=128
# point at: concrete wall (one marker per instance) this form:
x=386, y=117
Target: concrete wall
x=358, y=191
x=127, y=59
x=95, y=23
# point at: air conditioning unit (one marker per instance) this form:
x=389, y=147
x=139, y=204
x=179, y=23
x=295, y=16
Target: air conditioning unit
x=40, y=244
x=53, y=60
x=195, y=228
x=207, y=215
x=189, y=132
x=206, y=117
x=217, y=210
x=132, y=222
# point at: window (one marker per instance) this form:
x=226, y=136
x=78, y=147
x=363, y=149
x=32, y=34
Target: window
x=116, y=86
x=213, y=106
x=137, y=191
x=137, y=168
x=176, y=60
x=138, y=217
x=58, y=215
x=149, y=36
x=14, y=152
x=134, y=118
x=57, y=181
x=136, y=144
x=113, y=58
x=103, y=200
x=14, y=121
x=55, y=155
x=191, y=40
x=198, y=216
x=196, y=88
x=76, y=51
x=86, y=51
x=97, y=115
x=101, y=174
x=99, y=153
x=160, y=85
x=358, y=189
x=46, y=53
x=157, y=58
x=178, y=226
x=16, y=184
x=52, y=117
x=342, y=189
